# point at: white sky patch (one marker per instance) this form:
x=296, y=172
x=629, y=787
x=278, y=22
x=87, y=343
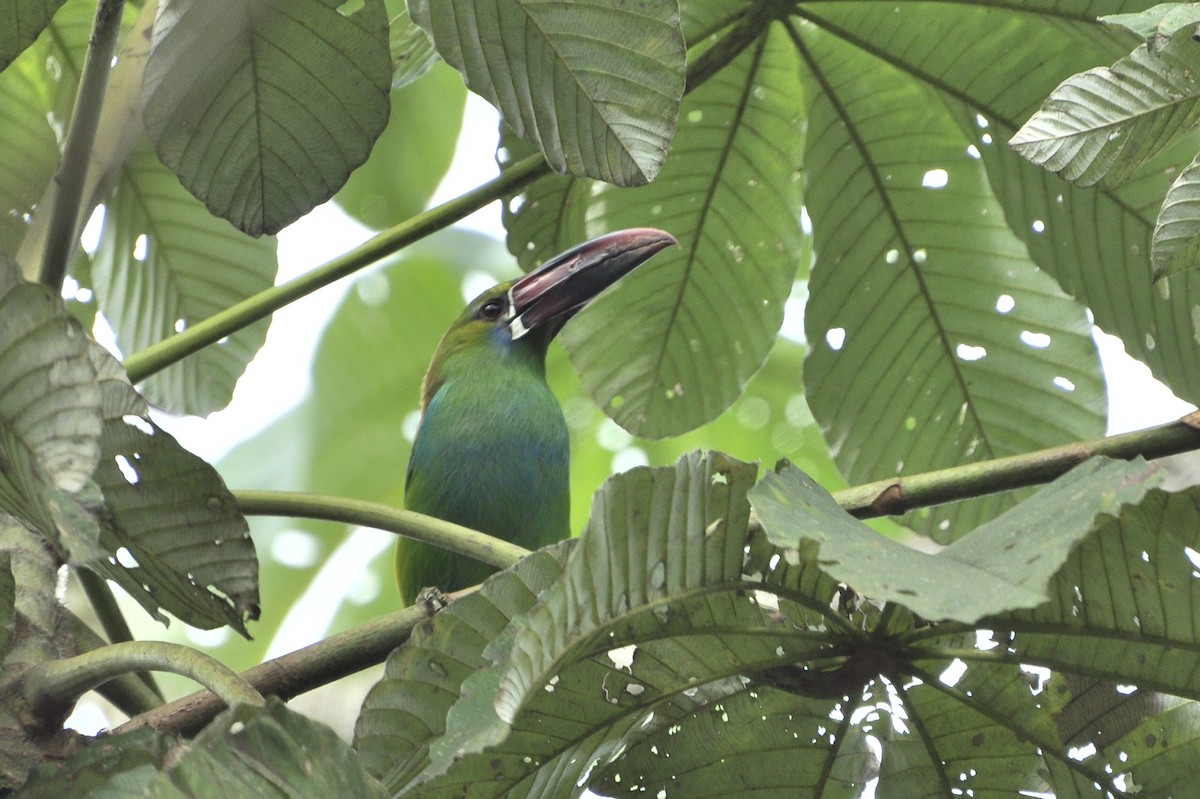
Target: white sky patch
x=1039, y=340
x=968, y=352
x=935, y=179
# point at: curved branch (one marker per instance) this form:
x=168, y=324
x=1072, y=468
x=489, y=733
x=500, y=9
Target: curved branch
x=52, y=687
x=446, y=535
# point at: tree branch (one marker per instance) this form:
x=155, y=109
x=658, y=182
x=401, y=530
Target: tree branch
x=52, y=687
x=157, y=357
x=899, y=495
x=296, y=672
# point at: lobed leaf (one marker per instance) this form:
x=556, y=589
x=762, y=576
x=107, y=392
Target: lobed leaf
x=596, y=86
x=1104, y=124
x=263, y=110
x=49, y=402
x=930, y=328
x=20, y=23
x=271, y=751
x=765, y=743
x=406, y=710
x=1175, y=245
x=175, y=536
x=1123, y=607
x=993, y=569
x=163, y=264
x=699, y=321
x=649, y=622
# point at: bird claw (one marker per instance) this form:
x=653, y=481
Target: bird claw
x=432, y=598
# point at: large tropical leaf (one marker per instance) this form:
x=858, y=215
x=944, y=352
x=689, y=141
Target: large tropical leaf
x=174, y=535
x=699, y=321
x=407, y=708
x=931, y=330
x=595, y=86
x=986, y=571
x=1103, y=124
x=20, y=23
x=36, y=93
x=264, y=110
x=50, y=402
x=164, y=264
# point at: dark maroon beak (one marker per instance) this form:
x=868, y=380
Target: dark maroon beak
x=552, y=293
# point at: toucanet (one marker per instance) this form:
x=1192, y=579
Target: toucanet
x=492, y=451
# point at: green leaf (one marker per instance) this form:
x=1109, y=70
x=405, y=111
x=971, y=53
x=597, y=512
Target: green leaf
x=1156, y=25
x=764, y=743
x=164, y=264
x=660, y=568
x=418, y=143
x=1122, y=606
x=698, y=322
x=1160, y=754
x=175, y=535
x=261, y=112
x=407, y=708
x=995, y=568
x=978, y=735
x=595, y=86
x=111, y=767
x=20, y=23
x=412, y=52
x=49, y=401
x=1176, y=243
x=37, y=91
x=269, y=752
x=118, y=131
x=1103, y=124
x=930, y=328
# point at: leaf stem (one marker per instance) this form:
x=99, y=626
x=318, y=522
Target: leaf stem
x=296, y=672
x=159, y=356
x=447, y=535
x=52, y=687
x=899, y=495
x=61, y=235
x=109, y=614
x=130, y=694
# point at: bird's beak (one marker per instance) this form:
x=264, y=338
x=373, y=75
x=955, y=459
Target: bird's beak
x=553, y=292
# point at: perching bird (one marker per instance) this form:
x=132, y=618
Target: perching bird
x=491, y=451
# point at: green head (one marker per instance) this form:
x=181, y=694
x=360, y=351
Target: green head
x=516, y=321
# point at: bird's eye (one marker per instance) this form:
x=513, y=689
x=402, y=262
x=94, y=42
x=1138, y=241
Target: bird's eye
x=492, y=310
